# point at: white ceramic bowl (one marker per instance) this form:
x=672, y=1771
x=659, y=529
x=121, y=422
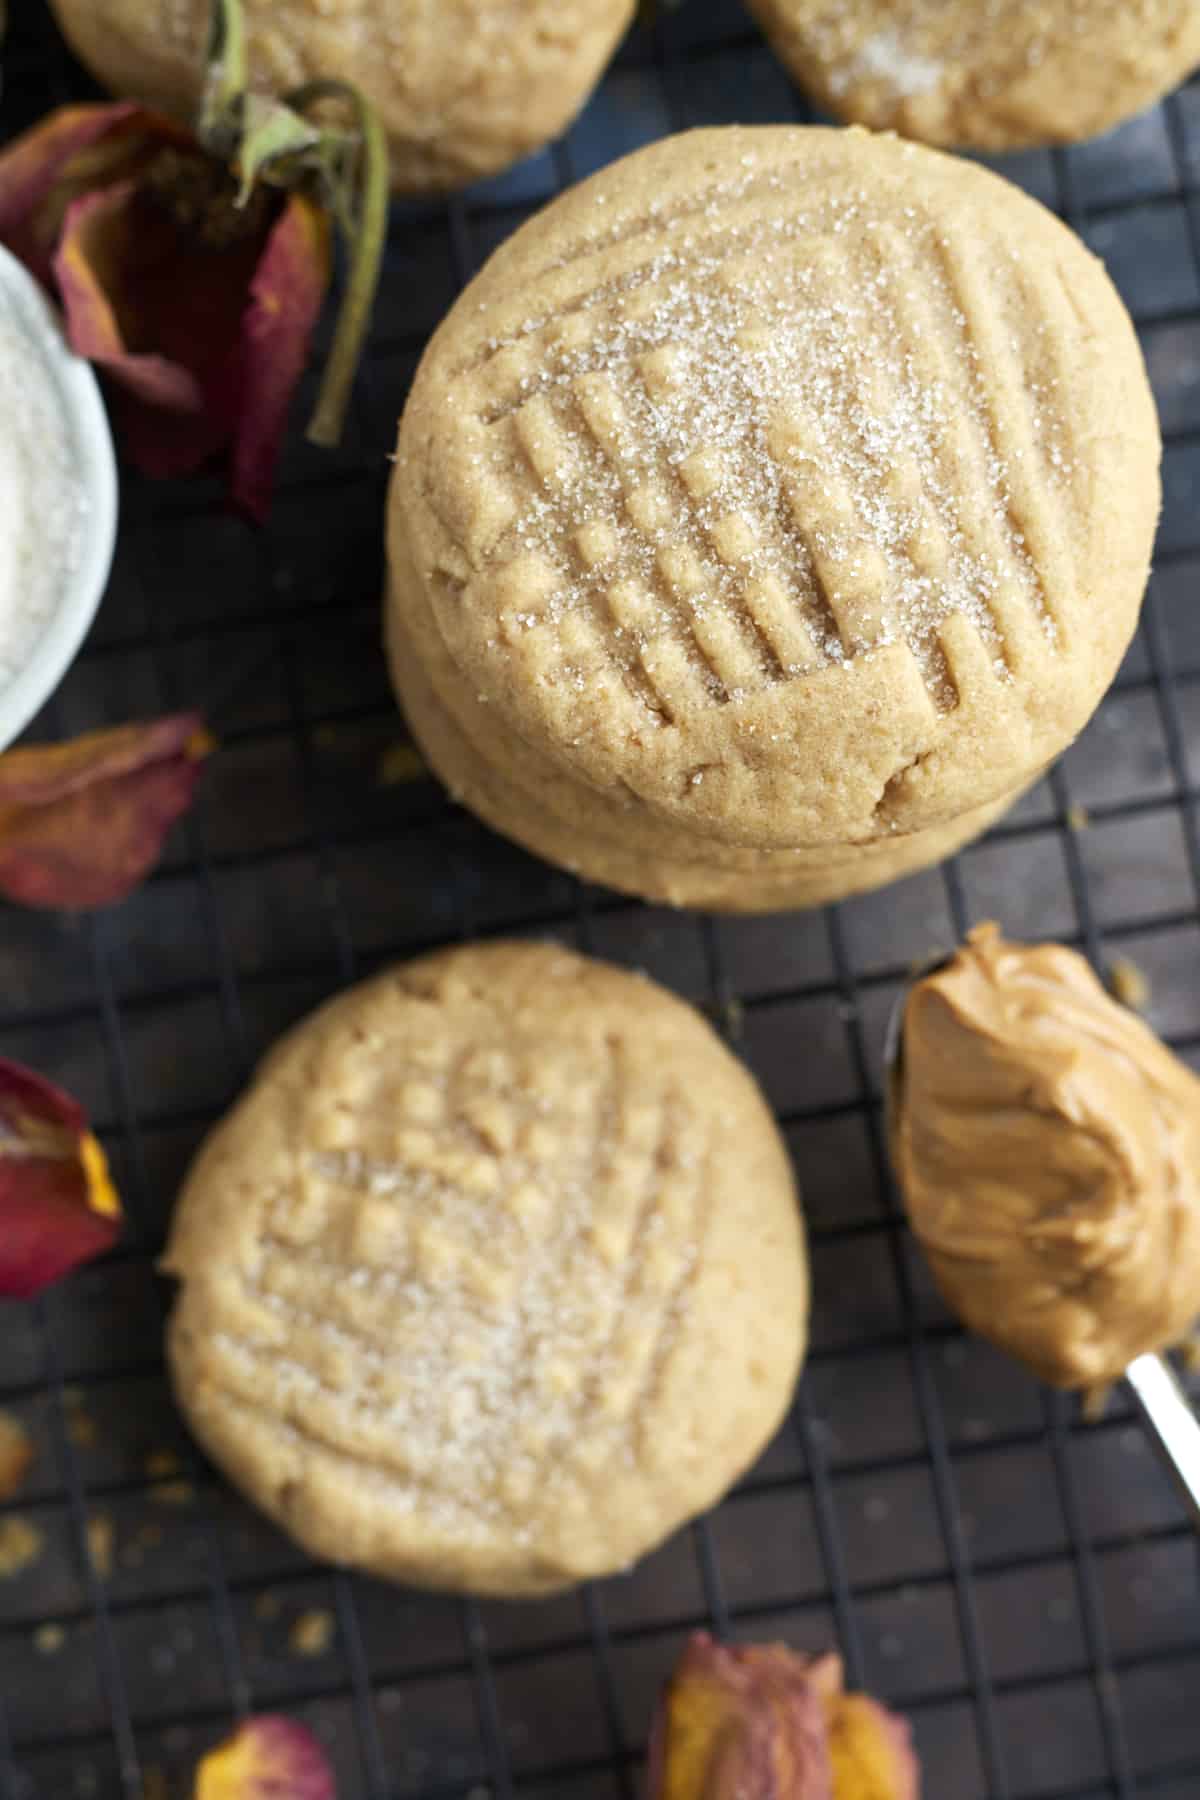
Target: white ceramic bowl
x=87, y=429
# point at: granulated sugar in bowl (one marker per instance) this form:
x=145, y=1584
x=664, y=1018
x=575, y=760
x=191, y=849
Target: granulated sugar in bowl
x=58, y=499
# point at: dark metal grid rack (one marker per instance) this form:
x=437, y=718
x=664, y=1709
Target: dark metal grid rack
x=1020, y=1582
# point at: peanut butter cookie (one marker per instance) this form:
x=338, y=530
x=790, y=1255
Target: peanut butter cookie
x=777, y=499
x=995, y=74
x=605, y=838
x=495, y=1275
x=463, y=87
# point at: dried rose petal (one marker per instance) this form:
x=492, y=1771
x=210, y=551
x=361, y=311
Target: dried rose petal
x=870, y=1748
x=267, y=1758
x=872, y=1752
x=96, y=242
x=200, y=312
x=286, y=295
x=58, y=1207
x=740, y=1722
x=82, y=822
x=76, y=150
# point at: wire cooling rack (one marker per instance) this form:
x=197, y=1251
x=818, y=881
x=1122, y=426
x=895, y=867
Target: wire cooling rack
x=1021, y=1583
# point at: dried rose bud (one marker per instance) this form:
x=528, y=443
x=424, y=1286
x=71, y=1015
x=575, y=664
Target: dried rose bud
x=740, y=1722
x=267, y=1758
x=191, y=266
x=81, y=822
x=199, y=311
x=762, y=1722
x=58, y=1207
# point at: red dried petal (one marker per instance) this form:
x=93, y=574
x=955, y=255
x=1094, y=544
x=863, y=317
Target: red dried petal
x=40, y=773
x=89, y=270
x=286, y=296
x=74, y=150
x=82, y=822
x=267, y=1758
x=162, y=311
x=738, y=1722
x=57, y=1205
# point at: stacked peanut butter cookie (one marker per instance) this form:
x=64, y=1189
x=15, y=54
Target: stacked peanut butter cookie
x=767, y=514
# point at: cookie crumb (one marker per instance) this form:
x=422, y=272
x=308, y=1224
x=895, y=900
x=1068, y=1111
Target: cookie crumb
x=728, y=1015
x=16, y=1454
x=311, y=1633
x=1078, y=817
x=398, y=764
x=159, y=1464
x=1095, y=1401
x=48, y=1640
x=21, y=1544
x=173, y=1493
x=1128, y=984
x=268, y=1605
x=733, y=1019
x=81, y=1427
x=100, y=1535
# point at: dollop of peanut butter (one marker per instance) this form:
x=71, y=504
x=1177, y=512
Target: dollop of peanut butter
x=1048, y=1147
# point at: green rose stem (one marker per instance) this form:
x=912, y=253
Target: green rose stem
x=225, y=86
x=366, y=228
x=274, y=141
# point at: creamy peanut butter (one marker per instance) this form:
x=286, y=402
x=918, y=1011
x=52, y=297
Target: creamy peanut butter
x=1048, y=1148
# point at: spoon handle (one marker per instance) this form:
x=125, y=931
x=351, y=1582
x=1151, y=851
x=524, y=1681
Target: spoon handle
x=1168, y=1416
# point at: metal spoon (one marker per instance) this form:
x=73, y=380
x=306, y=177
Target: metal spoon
x=1165, y=1409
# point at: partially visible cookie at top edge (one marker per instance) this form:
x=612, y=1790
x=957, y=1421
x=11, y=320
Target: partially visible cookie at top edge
x=461, y=91
x=1005, y=76
x=770, y=475
x=494, y=1276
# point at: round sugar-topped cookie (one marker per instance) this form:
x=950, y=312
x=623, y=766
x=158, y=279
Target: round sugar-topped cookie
x=462, y=87
x=794, y=487
x=996, y=74
x=494, y=1276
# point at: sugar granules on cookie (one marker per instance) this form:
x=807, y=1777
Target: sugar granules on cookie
x=679, y=445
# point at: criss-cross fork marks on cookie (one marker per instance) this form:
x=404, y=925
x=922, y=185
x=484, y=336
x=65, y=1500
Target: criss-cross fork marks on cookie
x=470, y=1269
x=494, y=1276
x=761, y=452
